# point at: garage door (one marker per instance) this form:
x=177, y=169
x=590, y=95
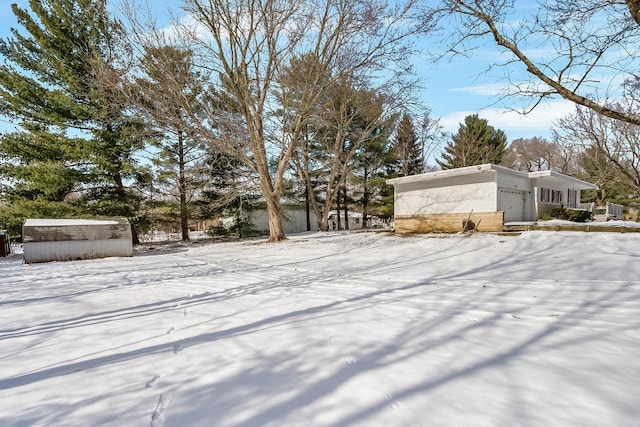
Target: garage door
x=512, y=203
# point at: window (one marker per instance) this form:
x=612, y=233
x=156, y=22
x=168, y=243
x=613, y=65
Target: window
x=572, y=198
x=545, y=195
x=550, y=196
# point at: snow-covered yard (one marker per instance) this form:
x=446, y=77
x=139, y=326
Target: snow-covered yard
x=329, y=330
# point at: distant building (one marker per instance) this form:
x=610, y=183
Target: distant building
x=294, y=219
x=490, y=195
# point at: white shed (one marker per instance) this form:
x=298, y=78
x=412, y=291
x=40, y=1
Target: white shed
x=294, y=219
x=442, y=200
x=72, y=239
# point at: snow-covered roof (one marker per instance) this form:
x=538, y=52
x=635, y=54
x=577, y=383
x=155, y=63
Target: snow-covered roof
x=50, y=222
x=468, y=170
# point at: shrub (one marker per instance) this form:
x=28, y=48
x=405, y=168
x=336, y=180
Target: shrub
x=578, y=216
x=570, y=214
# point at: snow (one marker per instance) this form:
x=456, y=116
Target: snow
x=611, y=223
x=329, y=330
x=45, y=222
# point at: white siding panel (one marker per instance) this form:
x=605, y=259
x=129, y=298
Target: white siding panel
x=79, y=249
x=514, y=182
x=293, y=220
x=481, y=197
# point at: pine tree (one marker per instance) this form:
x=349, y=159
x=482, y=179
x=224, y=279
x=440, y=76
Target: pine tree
x=61, y=83
x=169, y=79
x=475, y=143
x=368, y=172
x=408, y=150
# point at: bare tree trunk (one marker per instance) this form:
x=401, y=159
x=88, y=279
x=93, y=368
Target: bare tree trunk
x=346, y=208
x=274, y=212
x=365, y=198
x=338, y=219
x=184, y=219
x=307, y=208
x=122, y=194
x=271, y=196
x=634, y=9
x=304, y=175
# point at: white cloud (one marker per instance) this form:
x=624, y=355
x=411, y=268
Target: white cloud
x=186, y=25
x=485, y=89
x=516, y=125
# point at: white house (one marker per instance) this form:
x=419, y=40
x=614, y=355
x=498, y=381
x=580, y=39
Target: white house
x=71, y=239
x=492, y=194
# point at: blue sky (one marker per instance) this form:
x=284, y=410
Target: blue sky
x=453, y=89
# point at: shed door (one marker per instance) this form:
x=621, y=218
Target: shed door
x=512, y=203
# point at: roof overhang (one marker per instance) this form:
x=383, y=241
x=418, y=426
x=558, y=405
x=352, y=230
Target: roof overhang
x=448, y=173
x=557, y=177
x=551, y=176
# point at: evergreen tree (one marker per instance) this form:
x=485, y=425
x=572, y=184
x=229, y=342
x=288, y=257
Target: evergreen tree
x=408, y=149
x=369, y=172
x=169, y=79
x=61, y=83
x=230, y=193
x=475, y=143
x=598, y=168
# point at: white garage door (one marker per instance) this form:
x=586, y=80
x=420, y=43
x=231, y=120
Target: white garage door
x=512, y=203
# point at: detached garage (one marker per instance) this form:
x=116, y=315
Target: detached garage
x=73, y=239
x=492, y=194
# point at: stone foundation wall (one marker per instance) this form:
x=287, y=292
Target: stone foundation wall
x=447, y=223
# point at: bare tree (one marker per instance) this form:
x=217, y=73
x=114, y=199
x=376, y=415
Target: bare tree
x=431, y=137
x=586, y=41
x=602, y=136
x=342, y=126
x=537, y=154
x=244, y=45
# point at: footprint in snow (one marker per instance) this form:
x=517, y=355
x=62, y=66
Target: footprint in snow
x=186, y=312
x=172, y=330
x=153, y=381
x=351, y=360
x=177, y=349
x=394, y=403
x=158, y=416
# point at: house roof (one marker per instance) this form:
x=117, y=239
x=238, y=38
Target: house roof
x=488, y=167
x=557, y=176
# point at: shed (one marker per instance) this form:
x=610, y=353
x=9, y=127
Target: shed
x=73, y=239
x=492, y=194
x=294, y=219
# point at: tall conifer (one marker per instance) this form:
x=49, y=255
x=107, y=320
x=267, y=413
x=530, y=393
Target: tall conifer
x=475, y=143
x=60, y=82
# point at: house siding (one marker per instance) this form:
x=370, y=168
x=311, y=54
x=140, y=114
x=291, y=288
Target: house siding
x=477, y=192
x=442, y=200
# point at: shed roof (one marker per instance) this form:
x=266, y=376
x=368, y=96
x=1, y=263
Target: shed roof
x=489, y=167
x=50, y=222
